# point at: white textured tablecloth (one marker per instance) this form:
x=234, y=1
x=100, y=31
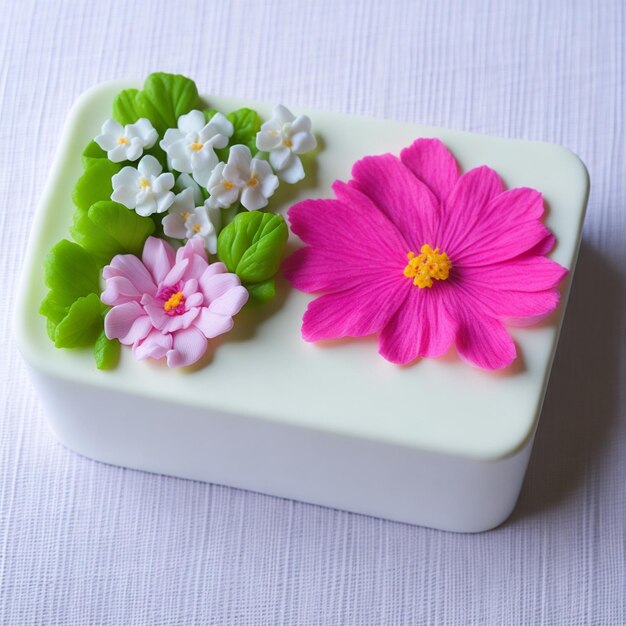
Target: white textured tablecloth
x=84, y=543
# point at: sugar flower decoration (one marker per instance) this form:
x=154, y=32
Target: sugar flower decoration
x=169, y=304
x=186, y=220
x=286, y=136
x=144, y=188
x=424, y=257
x=243, y=178
x=126, y=143
x=191, y=147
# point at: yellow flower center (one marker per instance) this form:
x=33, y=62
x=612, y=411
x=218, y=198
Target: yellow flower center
x=196, y=228
x=287, y=143
x=227, y=184
x=185, y=215
x=429, y=264
x=122, y=140
x=197, y=146
x=252, y=182
x=173, y=301
x=144, y=183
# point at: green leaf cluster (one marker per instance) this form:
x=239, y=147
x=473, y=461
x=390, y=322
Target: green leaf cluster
x=252, y=246
x=163, y=99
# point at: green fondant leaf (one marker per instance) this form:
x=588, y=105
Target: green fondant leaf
x=109, y=228
x=261, y=292
x=252, y=245
x=125, y=107
x=164, y=98
x=71, y=272
x=106, y=352
x=82, y=324
x=91, y=153
x=209, y=113
x=95, y=183
x=247, y=124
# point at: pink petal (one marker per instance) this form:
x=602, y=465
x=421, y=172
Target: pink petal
x=421, y=327
x=544, y=246
x=170, y=323
x=360, y=310
x=188, y=347
x=465, y=207
x=119, y=290
x=216, y=285
x=195, y=245
x=213, y=324
x=354, y=223
x=433, y=164
x=403, y=198
x=130, y=267
x=482, y=340
x=508, y=217
x=154, y=346
x=231, y=302
x=159, y=257
x=526, y=273
x=197, y=266
x=119, y=321
x=176, y=273
x=194, y=300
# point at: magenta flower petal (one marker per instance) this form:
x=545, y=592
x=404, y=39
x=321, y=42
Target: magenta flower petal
x=404, y=199
x=335, y=315
x=466, y=206
x=483, y=341
x=188, y=346
x=120, y=319
x=433, y=164
x=159, y=257
x=154, y=346
x=213, y=324
x=421, y=327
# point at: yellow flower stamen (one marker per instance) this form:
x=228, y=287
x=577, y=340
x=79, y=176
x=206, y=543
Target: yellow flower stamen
x=252, y=182
x=123, y=141
x=196, y=228
x=173, y=301
x=287, y=143
x=185, y=215
x=227, y=184
x=196, y=146
x=430, y=264
x=144, y=183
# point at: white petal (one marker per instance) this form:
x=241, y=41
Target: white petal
x=164, y=202
x=147, y=206
x=293, y=173
x=302, y=124
x=113, y=128
x=252, y=198
x=163, y=182
x=203, y=175
x=215, y=215
x=219, y=124
x=149, y=166
x=191, y=122
x=267, y=140
x=127, y=176
x=173, y=226
x=135, y=149
x=281, y=158
x=216, y=175
x=269, y=185
x=172, y=135
x=107, y=142
x=303, y=142
x=143, y=129
x=283, y=114
x=125, y=195
x=118, y=154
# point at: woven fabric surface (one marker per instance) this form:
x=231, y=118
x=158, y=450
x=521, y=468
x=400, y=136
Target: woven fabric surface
x=85, y=543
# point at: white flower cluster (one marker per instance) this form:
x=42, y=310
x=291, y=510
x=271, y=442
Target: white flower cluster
x=190, y=149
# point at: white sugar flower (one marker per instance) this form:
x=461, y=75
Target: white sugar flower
x=144, y=188
x=243, y=177
x=191, y=147
x=285, y=136
x=185, y=181
x=126, y=143
x=186, y=220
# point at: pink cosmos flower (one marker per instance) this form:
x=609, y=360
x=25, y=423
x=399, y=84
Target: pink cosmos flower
x=169, y=304
x=424, y=257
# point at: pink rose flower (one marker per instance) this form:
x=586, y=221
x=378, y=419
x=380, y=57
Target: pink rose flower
x=169, y=304
x=424, y=257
